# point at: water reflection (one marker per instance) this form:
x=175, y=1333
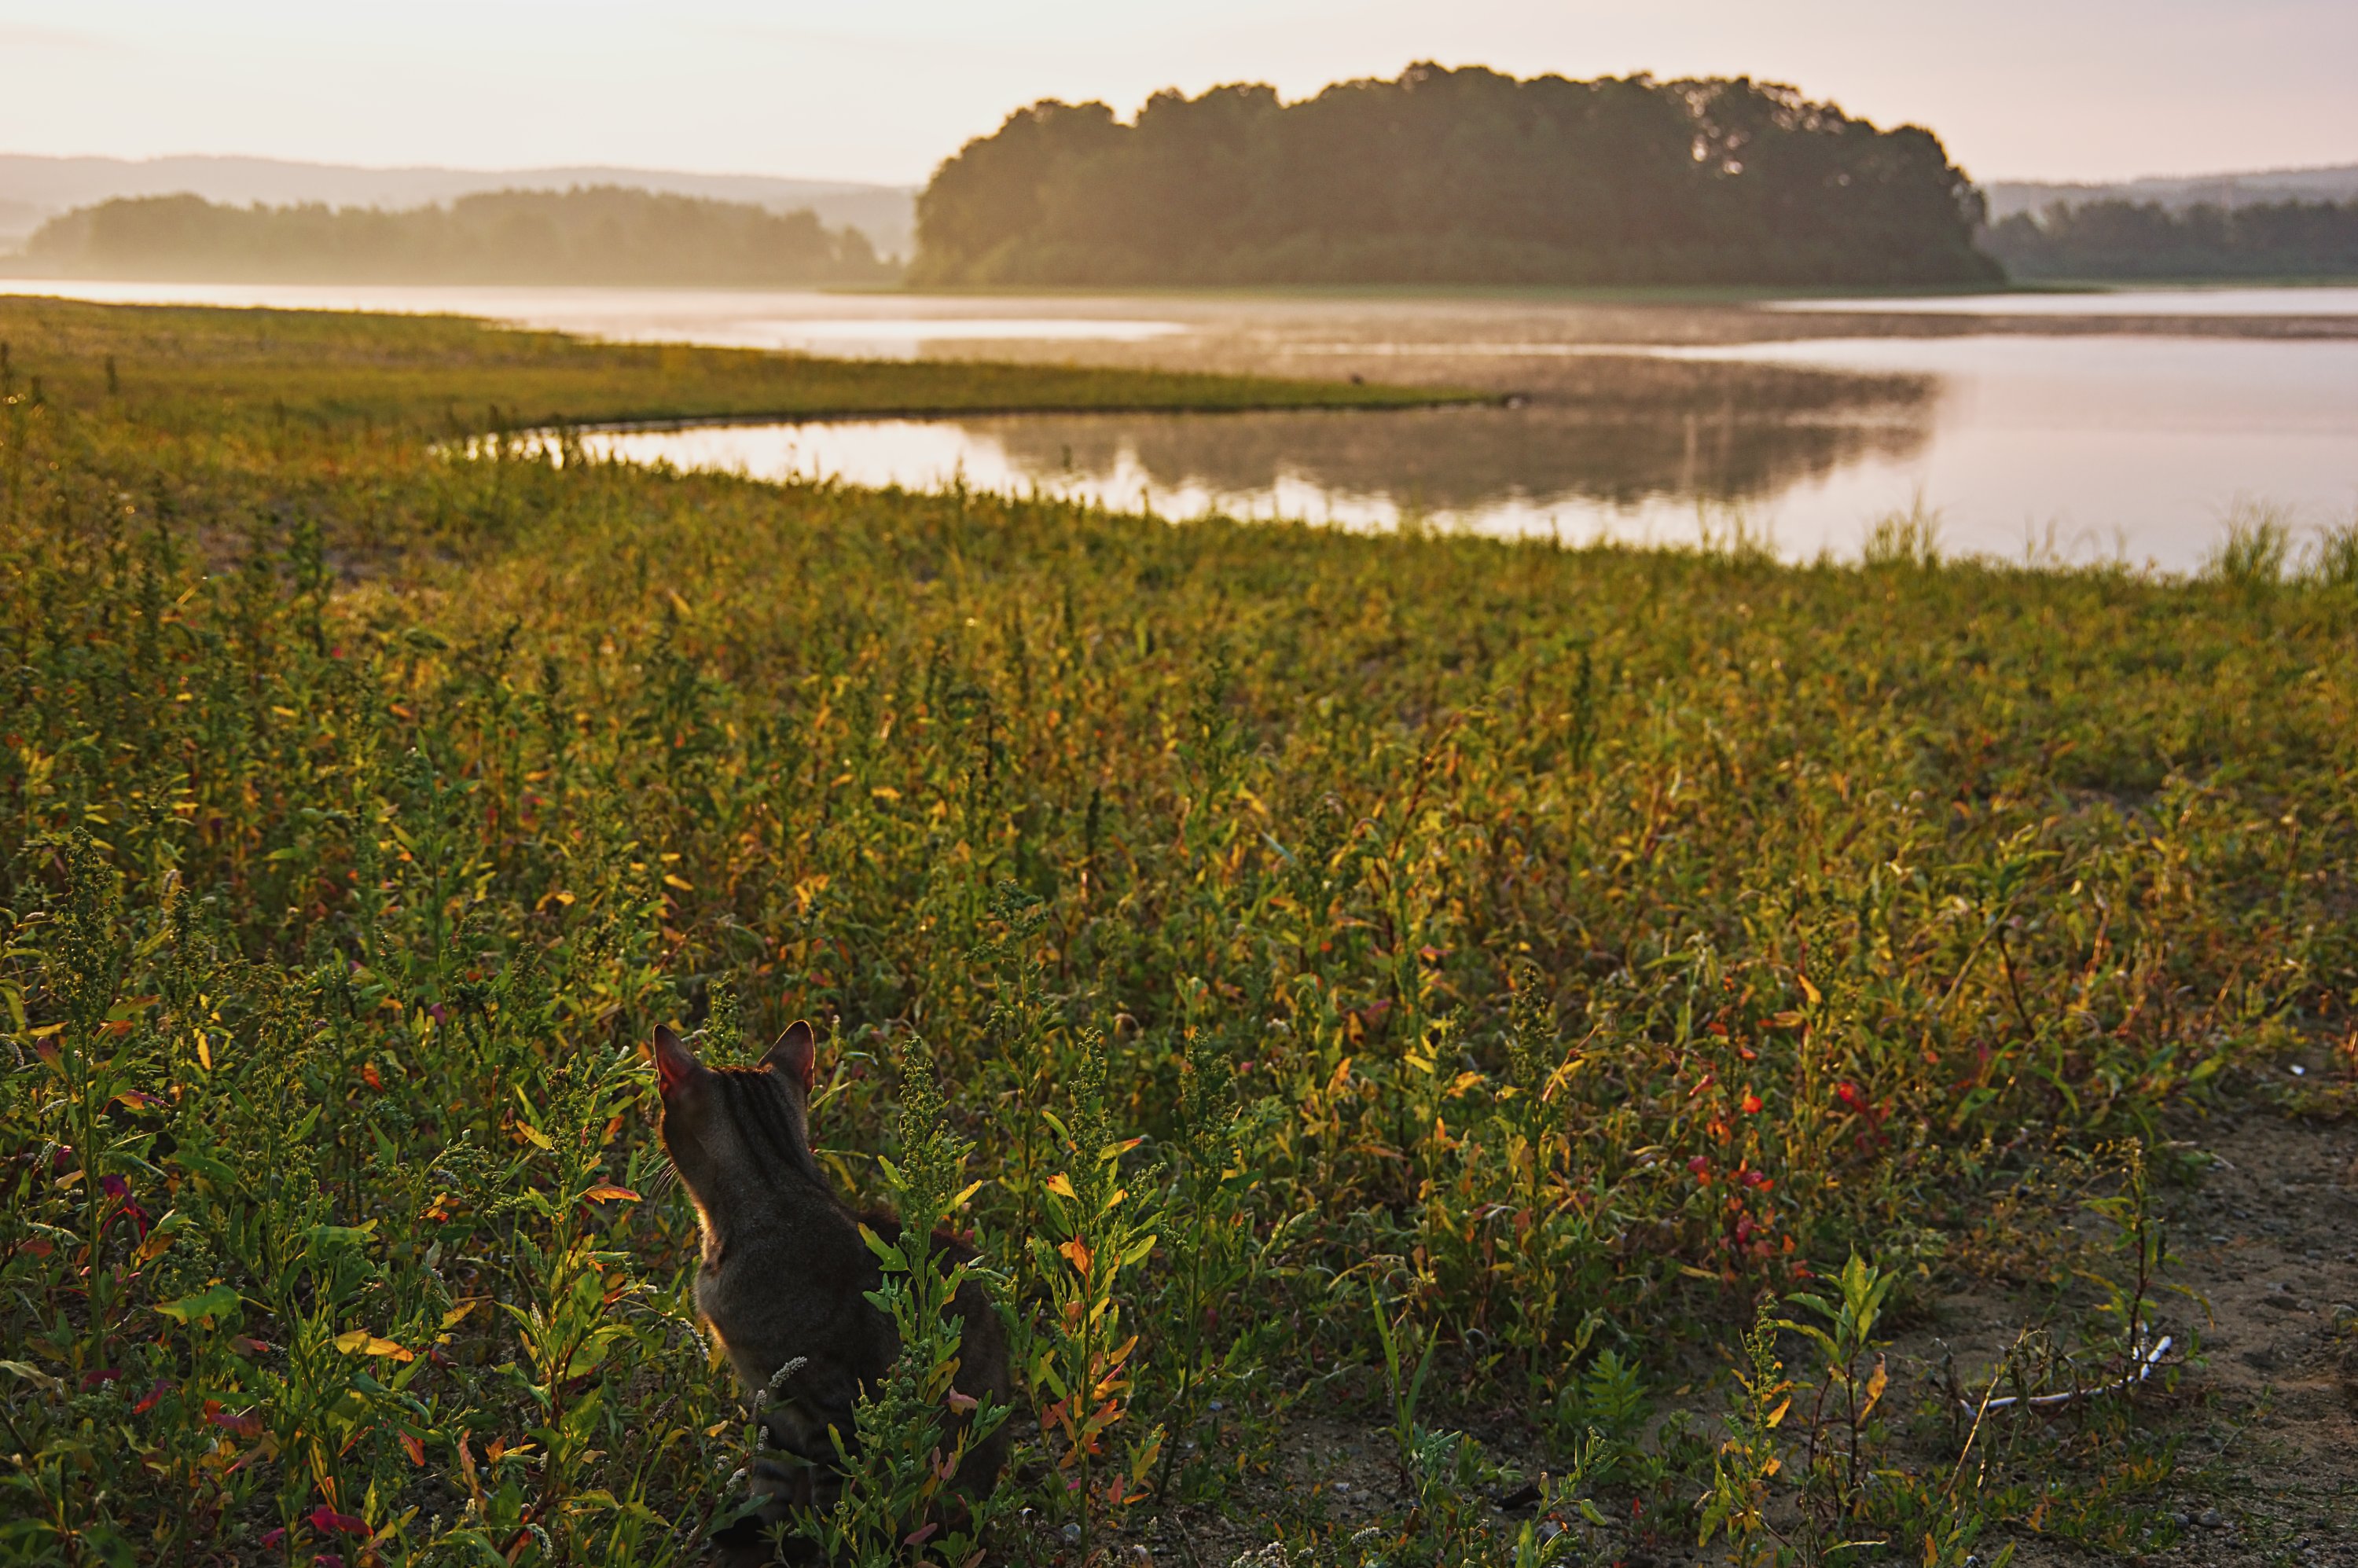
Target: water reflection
x=1462, y=462
x=1622, y=446
x=2137, y=444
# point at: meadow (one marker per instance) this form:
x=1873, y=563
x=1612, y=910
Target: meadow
x=1541, y=1019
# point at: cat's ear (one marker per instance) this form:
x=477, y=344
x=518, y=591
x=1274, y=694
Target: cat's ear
x=674, y=1062
x=795, y=1054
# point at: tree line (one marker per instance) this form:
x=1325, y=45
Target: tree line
x=2119, y=239
x=1453, y=177
x=602, y=234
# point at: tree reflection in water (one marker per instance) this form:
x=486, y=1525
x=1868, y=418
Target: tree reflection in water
x=1612, y=429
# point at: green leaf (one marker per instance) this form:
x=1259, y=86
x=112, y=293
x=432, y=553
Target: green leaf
x=32, y=1374
x=218, y=1301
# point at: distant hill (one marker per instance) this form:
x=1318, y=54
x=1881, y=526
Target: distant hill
x=33, y=190
x=2251, y=189
x=2131, y=240
x=599, y=235
x=1465, y=177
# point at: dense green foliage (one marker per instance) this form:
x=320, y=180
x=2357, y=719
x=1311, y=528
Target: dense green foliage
x=1463, y=177
x=1488, y=966
x=194, y=369
x=602, y=234
x=2146, y=240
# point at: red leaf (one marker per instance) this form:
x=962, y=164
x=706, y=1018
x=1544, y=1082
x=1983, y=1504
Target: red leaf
x=325, y=1520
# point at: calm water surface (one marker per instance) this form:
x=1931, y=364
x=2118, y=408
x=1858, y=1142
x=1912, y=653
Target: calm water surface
x=2130, y=424
x=2224, y=300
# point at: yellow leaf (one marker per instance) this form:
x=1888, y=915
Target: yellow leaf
x=539, y=1139
x=680, y=882
x=1811, y=992
x=354, y=1343
x=885, y=791
x=1062, y=1185
x=605, y=1190
x=1876, y=1384
x=461, y=1311
x=1079, y=1255
x=1778, y=1415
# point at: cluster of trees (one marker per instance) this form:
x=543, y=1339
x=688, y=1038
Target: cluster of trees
x=602, y=234
x=1463, y=177
x=2116, y=239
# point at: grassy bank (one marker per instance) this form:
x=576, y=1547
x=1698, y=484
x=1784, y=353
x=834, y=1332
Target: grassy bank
x=1433, y=999
x=201, y=371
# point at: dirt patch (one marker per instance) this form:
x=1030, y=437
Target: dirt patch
x=2266, y=1247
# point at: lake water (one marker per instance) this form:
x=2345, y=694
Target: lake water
x=2060, y=427
x=2224, y=300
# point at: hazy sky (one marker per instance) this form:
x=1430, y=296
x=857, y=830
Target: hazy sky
x=2019, y=89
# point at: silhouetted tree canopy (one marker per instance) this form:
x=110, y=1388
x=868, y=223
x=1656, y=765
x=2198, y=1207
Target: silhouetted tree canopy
x=2116, y=239
x=1453, y=177
x=605, y=234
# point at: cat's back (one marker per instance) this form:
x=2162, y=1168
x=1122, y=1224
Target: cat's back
x=793, y=1281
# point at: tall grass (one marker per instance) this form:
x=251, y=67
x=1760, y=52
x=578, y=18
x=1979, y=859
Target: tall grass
x=1574, y=952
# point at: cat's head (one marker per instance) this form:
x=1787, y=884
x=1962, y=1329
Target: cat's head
x=732, y=1130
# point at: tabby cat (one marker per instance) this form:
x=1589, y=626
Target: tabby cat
x=785, y=1272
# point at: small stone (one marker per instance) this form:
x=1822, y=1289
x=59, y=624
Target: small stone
x=2212, y=1518
x=1343, y=1486
x=1072, y=1533
x=1215, y=1406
